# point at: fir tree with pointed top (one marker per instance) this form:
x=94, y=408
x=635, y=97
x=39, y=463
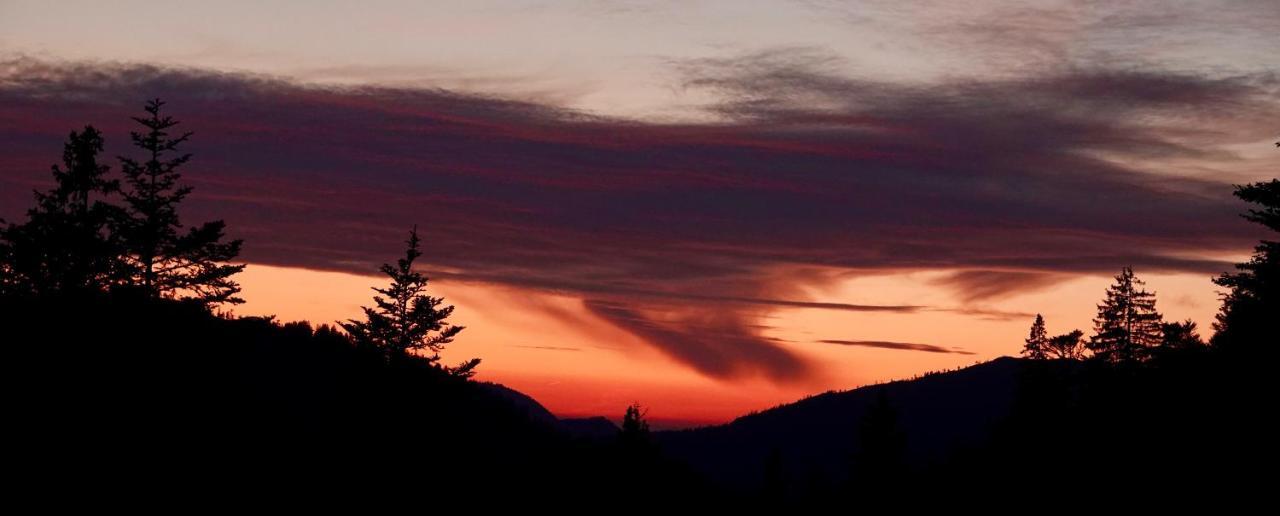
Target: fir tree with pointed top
x=634, y=438
x=1127, y=326
x=1247, y=319
x=65, y=247
x=165, y=261
x=404, y=319
x=1036, y=341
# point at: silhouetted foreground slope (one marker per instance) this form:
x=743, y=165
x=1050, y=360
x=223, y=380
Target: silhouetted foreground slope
x=1192, y=424
x=141, y=396
x=817, y=436
x=598, y=428
x=134, y=398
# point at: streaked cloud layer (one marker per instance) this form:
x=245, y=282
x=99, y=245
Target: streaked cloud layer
x=684, y=234
x=1012, y=149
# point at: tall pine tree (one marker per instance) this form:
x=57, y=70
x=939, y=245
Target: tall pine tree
x=1127, y=326
x=163, y=260
x=407, y=320
x=65, y=247
x=1037, y=341
x=1248, y=317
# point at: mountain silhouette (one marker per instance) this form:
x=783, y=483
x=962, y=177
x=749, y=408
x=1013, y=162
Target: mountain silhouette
x=939, y=413
x=523, y=403
x=598, y=428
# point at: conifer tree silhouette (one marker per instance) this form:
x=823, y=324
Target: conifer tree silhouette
x=66, y=246
x=1036, y=341
x=635, y=453
x=407, y=320
x=1180, y=336
x=634, y=425
x=634, y=439
x=163, y=261
x=1247, y=319
x=1069, y=346
x=1127, y=326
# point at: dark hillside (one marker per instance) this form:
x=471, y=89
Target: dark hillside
x=818, y=435
x=184, y=400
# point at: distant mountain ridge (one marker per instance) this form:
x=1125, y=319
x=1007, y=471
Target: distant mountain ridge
x=598, y=428
x=817, y=436
x=522, y=402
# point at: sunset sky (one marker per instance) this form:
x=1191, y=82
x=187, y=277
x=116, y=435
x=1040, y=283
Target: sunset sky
x=706, y=207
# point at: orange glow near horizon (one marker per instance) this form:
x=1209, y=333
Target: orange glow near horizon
x=550, y=347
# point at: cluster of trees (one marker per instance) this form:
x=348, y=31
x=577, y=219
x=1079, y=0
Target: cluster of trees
x=1141, y=402
x=1040, y=346
x=1127, y=330
x=145, y=350
x=77, y=241
x=1247, y=319
x=97, y=235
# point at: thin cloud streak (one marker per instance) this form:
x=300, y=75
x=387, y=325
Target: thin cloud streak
x=902, y=346
x=547, y=348
x=581, y=288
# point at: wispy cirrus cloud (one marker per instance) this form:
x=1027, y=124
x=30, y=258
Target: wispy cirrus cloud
x=901, y=346
x=974, y=286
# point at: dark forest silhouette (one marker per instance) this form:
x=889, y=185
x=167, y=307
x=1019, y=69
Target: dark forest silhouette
x=77, y=242
x=116, y=357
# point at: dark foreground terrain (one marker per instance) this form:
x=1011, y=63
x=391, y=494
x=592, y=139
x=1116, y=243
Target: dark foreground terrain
x=140, y=398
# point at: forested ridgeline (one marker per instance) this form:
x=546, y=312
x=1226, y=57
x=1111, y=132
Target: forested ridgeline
x=1139, y=409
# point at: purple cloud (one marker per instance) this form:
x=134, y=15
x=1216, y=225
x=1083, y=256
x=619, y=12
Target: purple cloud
x=810, y=171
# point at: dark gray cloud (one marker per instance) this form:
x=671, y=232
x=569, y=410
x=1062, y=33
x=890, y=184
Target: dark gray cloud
x=903, y=346
x=684, y=234
x=718, y=343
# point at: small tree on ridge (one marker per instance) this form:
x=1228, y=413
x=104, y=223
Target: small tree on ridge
x=404, y=319
x=1037, y=340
